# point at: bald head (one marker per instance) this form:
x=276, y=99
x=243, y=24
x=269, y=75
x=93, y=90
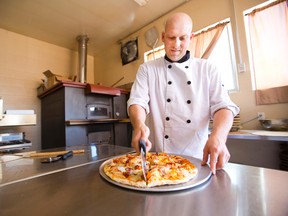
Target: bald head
x=177, y=35
x=180, y=19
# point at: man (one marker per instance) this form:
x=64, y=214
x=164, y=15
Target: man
x=181, y=94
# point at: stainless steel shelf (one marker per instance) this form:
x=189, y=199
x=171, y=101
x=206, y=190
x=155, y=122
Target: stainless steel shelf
x=17, y=120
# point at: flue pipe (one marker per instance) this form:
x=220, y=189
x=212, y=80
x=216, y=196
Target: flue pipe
x=1, y=108
x=82, y=55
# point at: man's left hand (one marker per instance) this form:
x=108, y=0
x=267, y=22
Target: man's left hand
x=216, y=150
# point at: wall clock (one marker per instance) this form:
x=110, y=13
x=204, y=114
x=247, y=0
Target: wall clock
x=129, y=51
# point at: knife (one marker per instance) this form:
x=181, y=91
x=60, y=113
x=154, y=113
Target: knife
x=142, y=146
x=57, y=158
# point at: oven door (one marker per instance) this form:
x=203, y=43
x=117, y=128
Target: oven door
x=98, y=111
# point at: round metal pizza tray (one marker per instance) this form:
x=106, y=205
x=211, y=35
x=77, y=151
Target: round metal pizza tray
x=204, y=174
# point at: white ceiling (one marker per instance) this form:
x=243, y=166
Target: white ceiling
x=60, y=21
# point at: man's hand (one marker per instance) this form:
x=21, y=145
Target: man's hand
x=218, y=152
x=215, y=147
x=143, y=133
x=140, y=129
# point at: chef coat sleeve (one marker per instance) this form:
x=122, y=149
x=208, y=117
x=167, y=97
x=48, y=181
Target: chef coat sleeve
x=140, y=90
x=219, y=97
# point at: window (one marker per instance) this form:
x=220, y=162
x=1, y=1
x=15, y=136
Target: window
x=154, y=54
x=223, y=56
x=220, y=52
x=267, y=36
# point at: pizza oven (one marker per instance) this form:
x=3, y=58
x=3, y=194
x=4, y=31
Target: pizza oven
x=93, y=115
x=108, y=110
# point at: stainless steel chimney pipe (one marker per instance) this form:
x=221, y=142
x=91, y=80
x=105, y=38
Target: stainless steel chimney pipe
x=1, y=108
x=82, y=55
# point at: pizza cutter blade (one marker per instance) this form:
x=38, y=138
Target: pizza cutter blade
x=142, y=146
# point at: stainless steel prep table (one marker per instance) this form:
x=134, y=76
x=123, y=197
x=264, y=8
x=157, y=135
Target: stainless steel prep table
x=259, y=135
x=80, y=190
x=17, y=170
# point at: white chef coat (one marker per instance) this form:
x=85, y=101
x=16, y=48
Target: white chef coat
x=180, y=99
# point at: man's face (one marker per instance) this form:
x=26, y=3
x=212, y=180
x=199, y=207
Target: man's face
x=176, y=40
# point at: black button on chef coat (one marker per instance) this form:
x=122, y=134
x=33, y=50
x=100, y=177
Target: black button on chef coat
x=183, y=59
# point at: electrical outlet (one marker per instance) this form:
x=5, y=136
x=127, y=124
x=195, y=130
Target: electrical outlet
x=241, y=68
x=261, y=116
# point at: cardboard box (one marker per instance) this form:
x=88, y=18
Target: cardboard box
x=52, y=79
x=41, y=88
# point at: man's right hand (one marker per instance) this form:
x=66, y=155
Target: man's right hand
x=137, y=116
x=143, y=133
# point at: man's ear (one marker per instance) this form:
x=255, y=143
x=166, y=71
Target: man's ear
x=163, y=36
x=191, y=36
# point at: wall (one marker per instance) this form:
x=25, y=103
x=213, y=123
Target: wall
x=109, y=69
x=22, y=63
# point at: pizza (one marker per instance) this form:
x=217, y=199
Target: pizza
x=162, y=169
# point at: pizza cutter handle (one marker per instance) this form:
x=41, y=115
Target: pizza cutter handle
x=66, y=155
x=142, y=145
x=57, y=158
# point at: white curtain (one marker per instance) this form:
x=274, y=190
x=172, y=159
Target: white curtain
x=204, y=42
x=268, y=29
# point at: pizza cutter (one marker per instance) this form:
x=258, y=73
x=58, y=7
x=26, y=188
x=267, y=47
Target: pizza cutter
x=142, y=146
x=57, y=158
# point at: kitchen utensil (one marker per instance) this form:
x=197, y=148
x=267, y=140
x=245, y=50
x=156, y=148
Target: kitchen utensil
x=275, y=124
x=57, y=158
x=142, y=146
x=151, y=37
x=46, y=154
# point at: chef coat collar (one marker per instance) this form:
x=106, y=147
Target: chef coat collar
x=183, y=59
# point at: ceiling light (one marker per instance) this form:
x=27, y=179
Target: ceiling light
x=141, y=2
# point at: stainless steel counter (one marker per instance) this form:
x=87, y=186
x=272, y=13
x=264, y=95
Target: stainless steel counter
x=260, y=135
x=80, y=190
x=26, y=168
